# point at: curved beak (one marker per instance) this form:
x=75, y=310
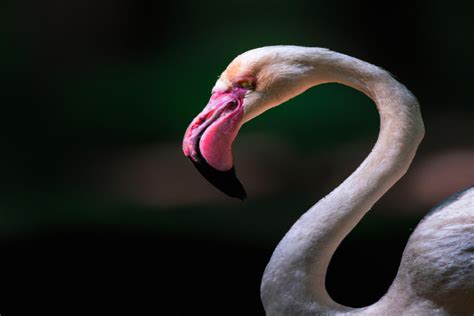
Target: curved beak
x=208, y=141
x=226, y=181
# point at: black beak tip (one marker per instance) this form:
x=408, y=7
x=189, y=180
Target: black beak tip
x=240, y=194
x=226, y=181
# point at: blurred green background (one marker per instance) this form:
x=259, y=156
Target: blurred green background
x=98, y=204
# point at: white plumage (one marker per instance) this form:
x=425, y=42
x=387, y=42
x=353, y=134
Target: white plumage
x=436, y=274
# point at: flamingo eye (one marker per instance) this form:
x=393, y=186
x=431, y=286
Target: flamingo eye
x=246, y=84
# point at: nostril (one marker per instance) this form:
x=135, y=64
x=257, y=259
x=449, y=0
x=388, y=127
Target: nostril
x=232, y=105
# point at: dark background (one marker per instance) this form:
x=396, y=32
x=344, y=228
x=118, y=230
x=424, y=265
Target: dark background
x=99, y=209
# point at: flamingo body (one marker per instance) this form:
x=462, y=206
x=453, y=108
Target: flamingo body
x=436, y=274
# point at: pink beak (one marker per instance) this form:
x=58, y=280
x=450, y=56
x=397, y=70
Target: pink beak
x=208, y=140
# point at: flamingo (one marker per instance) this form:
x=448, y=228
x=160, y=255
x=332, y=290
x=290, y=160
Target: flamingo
x=436, y=273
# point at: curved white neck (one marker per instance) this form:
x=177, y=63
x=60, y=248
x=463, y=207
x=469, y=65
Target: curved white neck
x=294, y=280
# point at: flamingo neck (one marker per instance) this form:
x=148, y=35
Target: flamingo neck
x=294, y=280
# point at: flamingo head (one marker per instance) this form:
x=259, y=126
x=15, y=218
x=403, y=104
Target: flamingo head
x=252, y=83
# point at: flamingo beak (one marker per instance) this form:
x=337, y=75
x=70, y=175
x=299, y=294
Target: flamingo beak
x=226, y=181
x=208, y=141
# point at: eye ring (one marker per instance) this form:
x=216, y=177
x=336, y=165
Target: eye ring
x=246, y=84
